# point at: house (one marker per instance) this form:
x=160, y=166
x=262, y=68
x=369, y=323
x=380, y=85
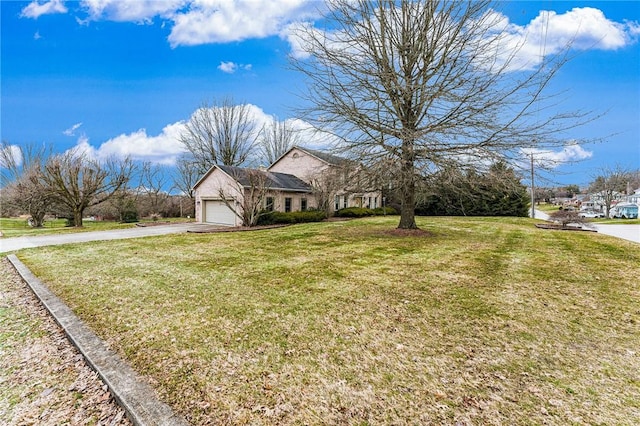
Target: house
x=225, y=194
x=339, y=183
x=299, y=180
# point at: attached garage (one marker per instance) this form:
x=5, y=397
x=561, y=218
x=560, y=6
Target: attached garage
x=217, y=212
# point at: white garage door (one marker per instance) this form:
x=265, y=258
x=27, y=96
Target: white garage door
x=217, y=212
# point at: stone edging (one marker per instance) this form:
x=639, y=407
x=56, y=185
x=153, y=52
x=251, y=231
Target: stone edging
x=136, y=397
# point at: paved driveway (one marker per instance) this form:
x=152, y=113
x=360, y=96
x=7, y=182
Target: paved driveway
x=626, y=232
x=17, y=243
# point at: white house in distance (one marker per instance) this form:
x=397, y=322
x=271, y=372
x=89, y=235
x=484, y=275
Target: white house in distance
x=299, y=180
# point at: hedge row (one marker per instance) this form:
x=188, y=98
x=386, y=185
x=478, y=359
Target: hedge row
x=362, y=212
x=273, y=218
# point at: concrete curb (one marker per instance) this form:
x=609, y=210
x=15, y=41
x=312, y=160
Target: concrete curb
x=136, y=397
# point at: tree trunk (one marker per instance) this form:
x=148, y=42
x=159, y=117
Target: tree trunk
x=77, y=218
x=408, y=188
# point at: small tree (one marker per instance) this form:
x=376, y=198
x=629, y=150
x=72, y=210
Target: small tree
x=154, y=180
x=566, y=217
x=22, y=169
x=252, y=189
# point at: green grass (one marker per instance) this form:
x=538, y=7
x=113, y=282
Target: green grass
x=545, y=207
x=18, y=227
x=476, y=321
x=617, y=221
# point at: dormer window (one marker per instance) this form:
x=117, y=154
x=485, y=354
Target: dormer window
x=295, y=155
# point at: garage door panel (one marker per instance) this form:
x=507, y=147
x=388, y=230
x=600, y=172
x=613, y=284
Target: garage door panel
x=217, y=212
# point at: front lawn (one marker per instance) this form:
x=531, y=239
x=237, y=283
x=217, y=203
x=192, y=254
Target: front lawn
x=475, y=321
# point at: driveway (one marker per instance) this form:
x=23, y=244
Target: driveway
x=18, y=243
x=626, y=232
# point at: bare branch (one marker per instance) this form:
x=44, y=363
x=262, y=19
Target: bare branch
x=425, y=84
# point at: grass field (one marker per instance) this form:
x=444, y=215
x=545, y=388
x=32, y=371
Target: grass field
x=473, y=321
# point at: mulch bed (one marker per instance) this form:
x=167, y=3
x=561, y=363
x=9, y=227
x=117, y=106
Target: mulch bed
x=563, y=228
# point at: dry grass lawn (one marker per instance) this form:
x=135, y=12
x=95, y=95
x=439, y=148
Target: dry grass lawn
x=476, y=321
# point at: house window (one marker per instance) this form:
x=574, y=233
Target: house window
x=303, y=204
x=345, y=201
x=269, y=204
x=375, y=202
x=337, y=203
x=287, y=204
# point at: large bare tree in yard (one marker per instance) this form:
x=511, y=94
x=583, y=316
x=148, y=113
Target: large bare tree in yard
x=77, y=181
x=222, y=132
x=426, y=85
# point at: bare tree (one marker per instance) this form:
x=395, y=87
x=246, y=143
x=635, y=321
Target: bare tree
x=220, y=133
x=326, y=185
x=76, y=181
x=22, y=168
x=186, y=175
x=424, y=84
x=276, y=138
x=252, y=190
x=154, y=180
x=568, y=217
x=609, y=182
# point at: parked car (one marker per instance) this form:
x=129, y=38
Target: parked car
x=624, y=211
x=590, y=214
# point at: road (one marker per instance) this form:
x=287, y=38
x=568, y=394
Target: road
x=625, y=232
x=18, y=243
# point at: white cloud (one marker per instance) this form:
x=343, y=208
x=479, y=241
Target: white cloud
x=131, y=10
x=15, y=153
x=228, y=67
x=571, y=152
x=295, y=35
x=71, y=131
x=37, y=36
x=232, y=67
x=550, y=33
x=221, y=21
x=36, y=8
x=163, y=148
x=85, y=148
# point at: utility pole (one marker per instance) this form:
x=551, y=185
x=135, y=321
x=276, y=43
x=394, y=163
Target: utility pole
x=533, y=191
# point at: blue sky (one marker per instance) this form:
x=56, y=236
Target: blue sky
x=121, y=77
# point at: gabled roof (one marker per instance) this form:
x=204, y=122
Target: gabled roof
x=274, y=181
x=331, y=159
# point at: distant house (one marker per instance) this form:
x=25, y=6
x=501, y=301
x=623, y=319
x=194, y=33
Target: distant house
x=300, y=179
x=635, y=197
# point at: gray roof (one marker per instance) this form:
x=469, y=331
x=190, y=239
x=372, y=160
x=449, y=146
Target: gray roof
x=276, y=181
x=329, y=158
